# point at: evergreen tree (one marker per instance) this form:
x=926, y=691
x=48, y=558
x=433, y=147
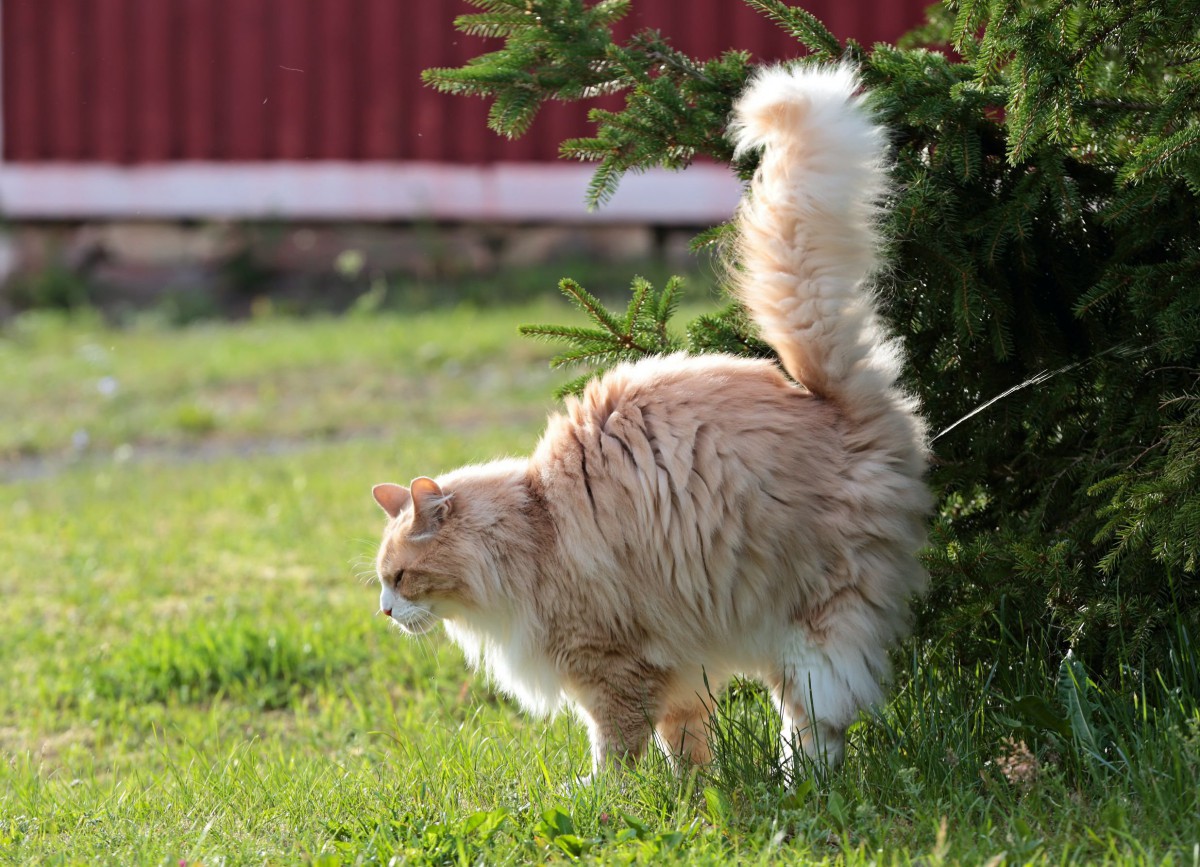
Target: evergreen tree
x=1045, y=238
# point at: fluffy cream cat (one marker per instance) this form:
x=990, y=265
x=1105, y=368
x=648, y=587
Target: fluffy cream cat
x=705, y=516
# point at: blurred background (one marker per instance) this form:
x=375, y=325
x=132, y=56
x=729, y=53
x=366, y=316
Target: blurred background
x=201, y=155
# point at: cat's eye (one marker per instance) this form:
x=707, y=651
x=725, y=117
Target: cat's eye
x=398, y=578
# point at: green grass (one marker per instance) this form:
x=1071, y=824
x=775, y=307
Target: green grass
x=193, y=670
x=79, y=387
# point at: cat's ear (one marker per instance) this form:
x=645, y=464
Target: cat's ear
x=391, y=498
x=431, y=505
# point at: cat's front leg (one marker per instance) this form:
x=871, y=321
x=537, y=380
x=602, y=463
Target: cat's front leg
x=620, y=713
x=619, y=732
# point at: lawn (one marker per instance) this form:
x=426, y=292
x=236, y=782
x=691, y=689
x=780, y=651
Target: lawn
x=194, y=670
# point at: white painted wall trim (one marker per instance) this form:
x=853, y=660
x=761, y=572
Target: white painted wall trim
x=504, y=192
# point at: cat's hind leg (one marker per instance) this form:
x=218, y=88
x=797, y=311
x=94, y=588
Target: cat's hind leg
x=682, y=732
x=820, y=685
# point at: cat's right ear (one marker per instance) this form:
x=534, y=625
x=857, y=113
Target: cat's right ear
x=391, y=498
x=431, y=505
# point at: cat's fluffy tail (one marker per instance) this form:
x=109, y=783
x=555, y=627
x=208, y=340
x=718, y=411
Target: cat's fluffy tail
x=809, y=242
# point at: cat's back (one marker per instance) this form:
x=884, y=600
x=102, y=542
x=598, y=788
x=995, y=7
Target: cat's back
x=669, y=397
x=687, y=483
x=669, y=450
x=666, y=415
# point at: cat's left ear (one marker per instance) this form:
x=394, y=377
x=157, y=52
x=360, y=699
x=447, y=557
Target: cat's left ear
x=431, y=505
x=391, y=498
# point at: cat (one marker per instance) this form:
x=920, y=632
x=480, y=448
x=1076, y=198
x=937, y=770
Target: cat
x=692, y=518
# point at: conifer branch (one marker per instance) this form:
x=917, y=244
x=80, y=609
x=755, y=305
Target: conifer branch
x=802, y=25
x=639, y=332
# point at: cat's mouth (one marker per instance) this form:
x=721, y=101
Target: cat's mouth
x=413, y=619
x=419, y=626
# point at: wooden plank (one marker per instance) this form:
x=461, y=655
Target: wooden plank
x=23, y=80
x=64, y=94
x=335, y=49
x=293, y=74
x=382, y=94
x=472, y=141
x=90, y=70
x=427, y=130
x=154, y=124
x=244, y=87
x=113, y=82
x=198, y=79
x=707, y=25
x=887, y=21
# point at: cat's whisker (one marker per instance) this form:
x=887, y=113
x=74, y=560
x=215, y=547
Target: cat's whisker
x=428, y=646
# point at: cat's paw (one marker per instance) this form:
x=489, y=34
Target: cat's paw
x=581, y=781
x=608, y=778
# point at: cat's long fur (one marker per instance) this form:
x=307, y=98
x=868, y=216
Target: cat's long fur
x=705, y=516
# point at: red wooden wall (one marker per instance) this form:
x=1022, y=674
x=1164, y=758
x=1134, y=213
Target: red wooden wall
x=135, y=81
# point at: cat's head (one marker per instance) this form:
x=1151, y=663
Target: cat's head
x=424, y=566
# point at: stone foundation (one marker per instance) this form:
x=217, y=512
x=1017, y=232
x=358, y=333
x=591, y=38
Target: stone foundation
x=142, y=262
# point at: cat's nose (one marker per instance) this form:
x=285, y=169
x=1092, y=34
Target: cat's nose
x=388, y=612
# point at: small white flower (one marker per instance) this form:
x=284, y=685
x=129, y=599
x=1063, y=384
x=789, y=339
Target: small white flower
x=107, y=386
